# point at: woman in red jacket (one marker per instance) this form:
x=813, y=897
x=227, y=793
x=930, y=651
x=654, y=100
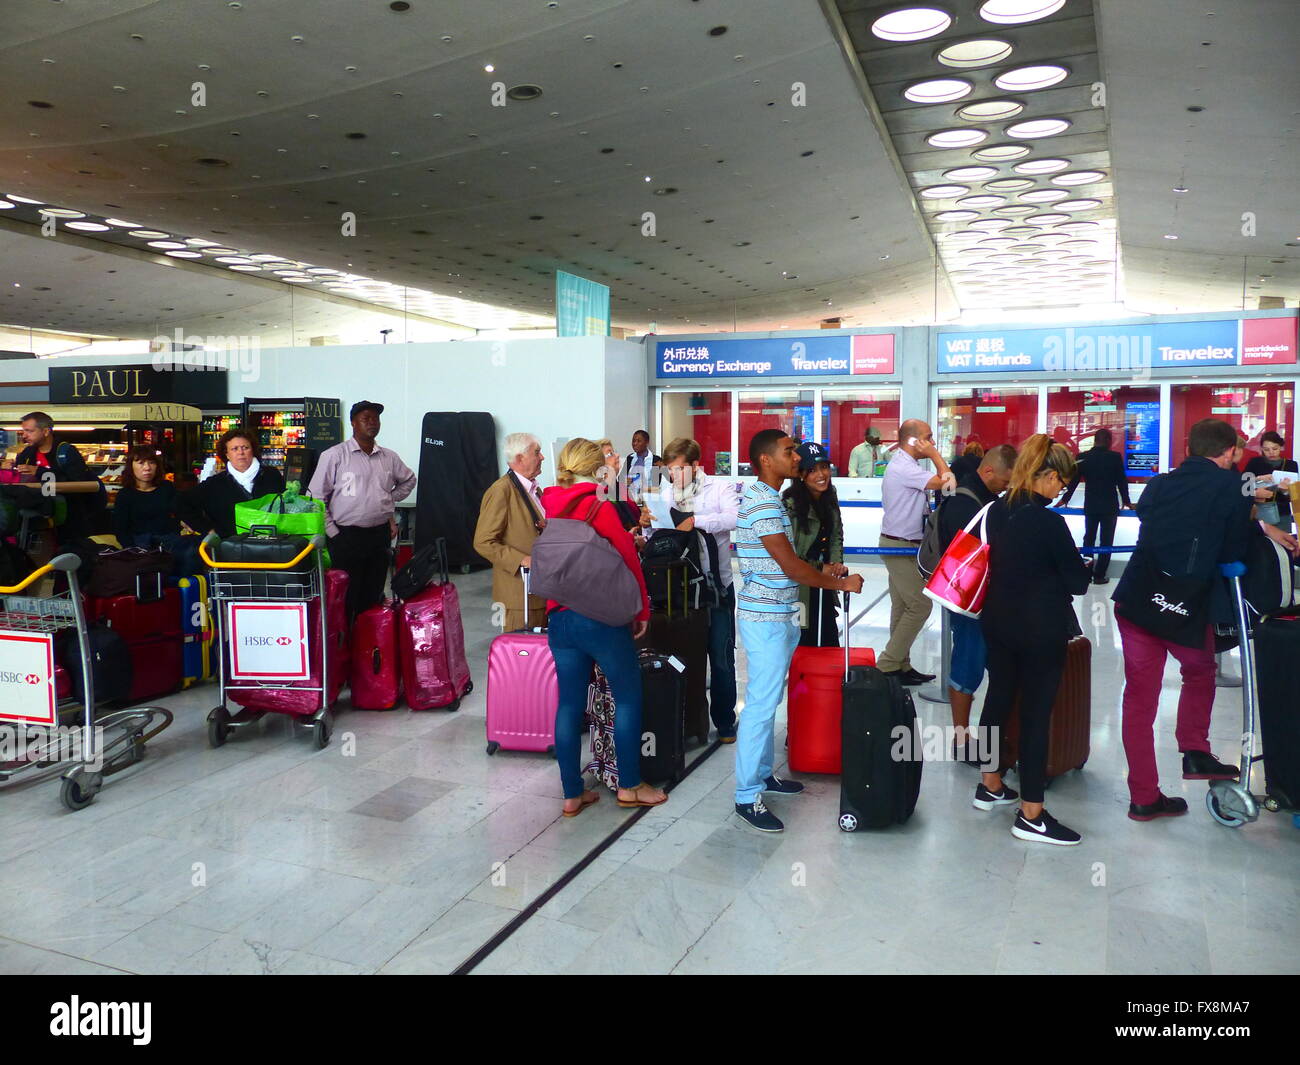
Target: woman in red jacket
x=577, y=641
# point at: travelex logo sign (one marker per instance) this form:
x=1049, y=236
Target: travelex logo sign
x=1134, y=349
x=812, y=356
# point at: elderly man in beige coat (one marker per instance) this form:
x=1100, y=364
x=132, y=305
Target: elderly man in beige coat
x=509, y=520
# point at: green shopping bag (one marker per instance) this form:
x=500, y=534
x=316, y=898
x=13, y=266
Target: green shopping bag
x=269, y=510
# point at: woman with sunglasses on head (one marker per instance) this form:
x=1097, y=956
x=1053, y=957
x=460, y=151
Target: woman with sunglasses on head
x=1028, y=620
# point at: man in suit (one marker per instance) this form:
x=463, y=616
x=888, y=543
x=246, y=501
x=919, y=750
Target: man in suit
x=509, y=520
x=1107, y=492
x=638, y=464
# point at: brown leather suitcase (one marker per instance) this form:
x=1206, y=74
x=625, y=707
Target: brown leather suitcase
x=1068, y=742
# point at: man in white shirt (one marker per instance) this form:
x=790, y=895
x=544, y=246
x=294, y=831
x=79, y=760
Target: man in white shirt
x=714, y=507
x=863, y=458
x=638, y=465
x=903, y=493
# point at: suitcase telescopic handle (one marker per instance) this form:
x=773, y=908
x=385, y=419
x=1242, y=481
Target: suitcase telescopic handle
x=523, y=570
x=848, y=632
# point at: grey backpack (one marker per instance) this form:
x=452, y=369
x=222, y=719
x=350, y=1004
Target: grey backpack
x=930, y=551
x=579, y=569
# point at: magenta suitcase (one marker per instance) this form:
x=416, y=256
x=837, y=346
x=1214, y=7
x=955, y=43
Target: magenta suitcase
x=522, y=692
x=376, y=670
x=431, y=644
x=292, y=700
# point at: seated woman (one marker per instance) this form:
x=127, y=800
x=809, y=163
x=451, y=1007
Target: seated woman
x=145, y=510
x=819, y=540
x=244, y=478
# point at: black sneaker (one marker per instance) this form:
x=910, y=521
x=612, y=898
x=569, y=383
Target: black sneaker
x=727, y=737
x=1202, y=765
x=782, y=787
x=986, y=800
x=912, y=678
x=1101, y=580
x=966, y=752
x=1046, y=829
x=759, y=816
x=1162, y=807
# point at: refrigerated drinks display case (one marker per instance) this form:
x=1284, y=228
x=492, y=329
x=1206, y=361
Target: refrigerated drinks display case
x=284, y=426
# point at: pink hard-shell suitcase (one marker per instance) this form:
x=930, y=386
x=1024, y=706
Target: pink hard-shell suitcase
x=376, y=672
x=431, y=643
x=293, y=700
x=523, y=692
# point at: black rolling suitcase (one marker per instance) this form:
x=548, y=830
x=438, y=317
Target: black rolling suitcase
x=457, y=454
x=663, y=722
x=1277, y=649
x=880, y=779
x=686, y=638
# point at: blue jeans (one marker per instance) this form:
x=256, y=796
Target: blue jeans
x=769, y=646
x=722, y=663
x=576, y=641
x=969, y=653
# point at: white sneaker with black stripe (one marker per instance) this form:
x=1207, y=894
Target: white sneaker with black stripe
x=1044, y=829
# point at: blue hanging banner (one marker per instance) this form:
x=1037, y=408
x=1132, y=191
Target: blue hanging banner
x=581, y=306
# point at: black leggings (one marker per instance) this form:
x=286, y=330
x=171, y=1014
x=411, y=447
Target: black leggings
x=1033, y=674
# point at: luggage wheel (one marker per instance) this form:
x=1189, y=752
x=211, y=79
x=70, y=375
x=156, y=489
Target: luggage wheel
x=493, y=747
x=1230, y=803
x=848, y=823
x=79, y=788
x=324, y=730
x=218, y=726
x=1272, y=805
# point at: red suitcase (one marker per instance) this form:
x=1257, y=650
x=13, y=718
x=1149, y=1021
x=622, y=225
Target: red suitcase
x=431, y=643
x=814, y=705
x=154, y=637
x=376, y=676
x=293, y=700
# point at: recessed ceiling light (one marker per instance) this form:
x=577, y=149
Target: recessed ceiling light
x=121, y=223
x=5, y=205
x=974, y=53
x=1044, y=195
x=956, y=216
x=1079, y=177
x=1041, y=166
x=981, y=201
x=1001, y=152
x=216, y=249
x=88, y=227
x=1008, y=184
x=149, y=234
x=956, y=138
x=241, y=259
x=60, y=212
x=1171, y=236
x=1022, y=230
x=990, y=110
x=23, y=199
x=1016, y=210
x=185, y=254
x=938, y=90
x=943, y=192
x=1027, y=79
x=1038, y=127
x=258, y=258
x=911, y=24
x=1179, y=188
x=165, y=244
x=990, y=224
x=1076, y=227
x=1086, y=204
x=1048, y=218
x=246, y=268
x=1009, y=12
x=970, y=173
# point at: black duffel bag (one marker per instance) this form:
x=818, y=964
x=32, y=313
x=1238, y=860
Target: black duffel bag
x=133, y=571
x=263, y=546
x=427, y=565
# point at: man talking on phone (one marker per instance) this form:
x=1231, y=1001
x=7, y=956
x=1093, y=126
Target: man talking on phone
x=903, y=492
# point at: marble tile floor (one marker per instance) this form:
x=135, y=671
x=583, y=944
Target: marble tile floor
x=403, y=847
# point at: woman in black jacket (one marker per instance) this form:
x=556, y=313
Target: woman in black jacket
x=244, y=478
x=1028, y=619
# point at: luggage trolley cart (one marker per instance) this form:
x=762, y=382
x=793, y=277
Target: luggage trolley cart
x=51, y=726
x=1231, y=802
x=243, y=588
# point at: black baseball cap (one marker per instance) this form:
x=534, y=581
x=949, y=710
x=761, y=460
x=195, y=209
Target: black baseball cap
x=365, y=404
x=810, y=454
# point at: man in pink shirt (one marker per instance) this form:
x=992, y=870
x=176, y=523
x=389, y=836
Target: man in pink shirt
x=359, y=483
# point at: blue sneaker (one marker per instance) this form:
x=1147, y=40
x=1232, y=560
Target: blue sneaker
x=759, y=816
x=782, y=787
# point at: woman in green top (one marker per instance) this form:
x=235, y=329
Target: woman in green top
x=819, y=540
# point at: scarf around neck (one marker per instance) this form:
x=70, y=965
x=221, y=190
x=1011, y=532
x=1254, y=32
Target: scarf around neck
x=245, y=480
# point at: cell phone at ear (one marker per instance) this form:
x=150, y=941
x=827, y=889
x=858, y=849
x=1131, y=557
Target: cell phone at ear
x=913, y=442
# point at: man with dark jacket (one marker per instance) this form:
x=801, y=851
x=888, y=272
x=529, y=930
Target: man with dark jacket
x=47, y=459
x=1107, y=492
x=1193, y=519
x=969, y=653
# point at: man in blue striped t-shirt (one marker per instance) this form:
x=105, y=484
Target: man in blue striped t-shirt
x=768, y=619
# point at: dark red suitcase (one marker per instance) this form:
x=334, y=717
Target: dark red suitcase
x=376, y=671
x=154, y=637
x=431, y=642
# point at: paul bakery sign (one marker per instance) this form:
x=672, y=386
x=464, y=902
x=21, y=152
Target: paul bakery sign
x=137, y=384
x=811, y=356
x=1242, y=342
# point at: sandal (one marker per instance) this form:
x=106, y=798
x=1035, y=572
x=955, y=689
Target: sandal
x=588, y=797
x=630, y=804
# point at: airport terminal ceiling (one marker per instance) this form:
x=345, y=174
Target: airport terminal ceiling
x=783, y=152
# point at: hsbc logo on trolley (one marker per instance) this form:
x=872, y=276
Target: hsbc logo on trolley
x=267, y=641
x=9, y=676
